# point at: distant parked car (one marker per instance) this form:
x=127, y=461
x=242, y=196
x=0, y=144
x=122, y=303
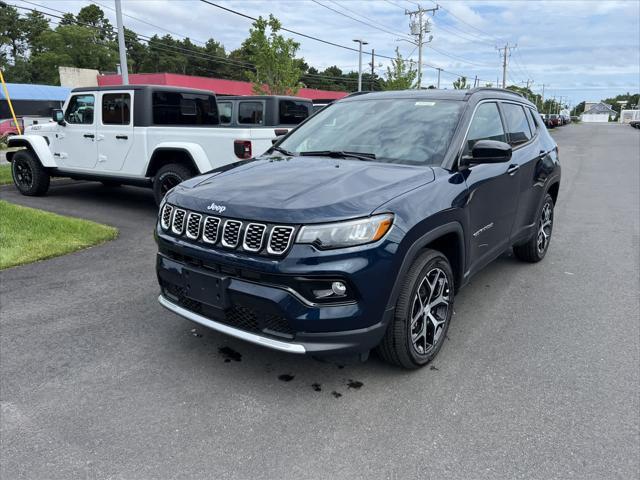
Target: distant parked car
x=554, y=120
x=8, y=127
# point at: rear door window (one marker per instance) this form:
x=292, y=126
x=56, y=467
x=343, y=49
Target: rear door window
x=182, y=108
x=225, y=110
x=251, y=113
x=485, y=125
x=517, y=124
x=80, y=110
x=292, y=112
x=116, y=109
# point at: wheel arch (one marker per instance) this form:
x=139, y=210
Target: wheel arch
x=37, y=145
x=192, y=156
x=448, y=239
x=553, y=190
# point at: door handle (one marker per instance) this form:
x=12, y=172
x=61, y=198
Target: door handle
x=122, y=137
x=513, y=168
x=89, y=135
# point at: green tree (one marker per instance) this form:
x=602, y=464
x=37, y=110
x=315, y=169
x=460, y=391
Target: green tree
x=461, y=83
x=277, y=70
x=401, y=75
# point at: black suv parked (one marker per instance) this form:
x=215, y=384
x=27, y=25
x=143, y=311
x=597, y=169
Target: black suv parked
x=356, y=229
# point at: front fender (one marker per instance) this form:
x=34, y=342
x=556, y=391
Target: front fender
x=195, y=151
x=37, y=144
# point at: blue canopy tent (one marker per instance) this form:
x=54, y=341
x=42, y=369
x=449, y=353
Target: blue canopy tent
x=32, y=100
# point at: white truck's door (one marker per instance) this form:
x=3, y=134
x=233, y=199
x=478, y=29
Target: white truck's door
x=75, y=144
x=115, y=129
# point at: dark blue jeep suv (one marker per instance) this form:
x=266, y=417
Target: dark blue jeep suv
x=356, y=229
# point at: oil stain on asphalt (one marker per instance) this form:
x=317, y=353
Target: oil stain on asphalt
x=316, y=387
x=230, y=354
x=286, y=377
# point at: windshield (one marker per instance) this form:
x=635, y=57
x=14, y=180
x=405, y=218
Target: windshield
x=399, y=130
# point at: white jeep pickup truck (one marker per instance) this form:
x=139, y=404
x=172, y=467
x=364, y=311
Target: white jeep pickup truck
x=141, y=135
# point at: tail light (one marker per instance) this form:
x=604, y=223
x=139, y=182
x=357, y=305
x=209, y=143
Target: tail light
x=242, y=148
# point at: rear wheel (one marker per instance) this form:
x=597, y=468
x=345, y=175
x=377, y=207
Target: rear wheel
x=29, y=176
x=536, y=247
x=168, y=177
x=423, y=313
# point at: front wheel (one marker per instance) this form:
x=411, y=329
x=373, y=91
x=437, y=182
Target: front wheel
x=536, y=247
x=168, y=177
x=29, y=176
x=423, y=313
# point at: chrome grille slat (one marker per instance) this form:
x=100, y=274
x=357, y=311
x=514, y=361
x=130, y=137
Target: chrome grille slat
x=253, y=237
x=177, y=226
x=210, y=230
x=279, y=239
x=165, y=218
x=193, y=225
x=231, y=233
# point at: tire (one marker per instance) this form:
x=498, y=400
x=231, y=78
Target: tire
x=534, y=249
x=29, y=176
x=430, y=273
x=168, y=177
x=110, y=183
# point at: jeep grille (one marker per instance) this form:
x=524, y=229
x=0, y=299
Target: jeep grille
x=178, y=221
x=231, y=233
x=279, y=239
x=259, y=238
x=193, y=225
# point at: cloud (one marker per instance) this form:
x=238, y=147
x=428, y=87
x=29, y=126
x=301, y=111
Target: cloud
x=562, y=44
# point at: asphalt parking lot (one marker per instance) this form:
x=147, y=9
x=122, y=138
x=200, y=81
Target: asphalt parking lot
x=539, y=377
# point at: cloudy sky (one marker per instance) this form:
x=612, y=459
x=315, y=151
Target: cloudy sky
x=581, y=49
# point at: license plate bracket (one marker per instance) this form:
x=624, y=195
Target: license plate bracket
x=207, y=288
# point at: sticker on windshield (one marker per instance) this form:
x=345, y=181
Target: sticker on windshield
x=424, y=104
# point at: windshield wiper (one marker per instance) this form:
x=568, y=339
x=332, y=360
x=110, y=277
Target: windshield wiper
x=339, y=154
x=283, y=151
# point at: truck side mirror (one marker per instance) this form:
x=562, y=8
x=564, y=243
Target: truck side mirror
x=58, y=116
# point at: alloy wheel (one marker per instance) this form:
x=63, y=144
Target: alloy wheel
x=429, y=311
x=545, y=225
x=23, y=174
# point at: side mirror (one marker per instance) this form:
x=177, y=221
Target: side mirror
x=488, y=151
x=58, y=116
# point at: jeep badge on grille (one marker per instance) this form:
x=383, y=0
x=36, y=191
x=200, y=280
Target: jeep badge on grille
x=216, y=208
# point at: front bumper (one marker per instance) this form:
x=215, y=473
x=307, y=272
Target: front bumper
x=354, y=341
x=259, y=306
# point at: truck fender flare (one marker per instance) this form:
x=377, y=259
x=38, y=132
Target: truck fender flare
x=193, y=150
x=37, y=145
x=414, y=250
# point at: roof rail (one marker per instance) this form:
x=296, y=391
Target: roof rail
x=355, y=94
x=471, y=91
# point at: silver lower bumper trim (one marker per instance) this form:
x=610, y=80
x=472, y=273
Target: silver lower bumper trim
x=234, y=332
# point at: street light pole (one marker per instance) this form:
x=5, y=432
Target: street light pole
x=360, y=43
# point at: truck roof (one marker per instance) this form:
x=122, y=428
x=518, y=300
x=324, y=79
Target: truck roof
x=461, y=95
x=163, y=88
x=259, y=97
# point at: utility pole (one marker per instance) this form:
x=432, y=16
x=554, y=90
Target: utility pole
x=373, y=64
x=124, y=70
x=419, y=27
x=439, y=70
x=506, y=50
x=361, y=43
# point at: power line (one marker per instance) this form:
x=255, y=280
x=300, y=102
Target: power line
x=463, y=21
x=155, y=44
x=356, y=19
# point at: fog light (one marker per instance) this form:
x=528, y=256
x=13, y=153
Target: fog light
x=339, y=288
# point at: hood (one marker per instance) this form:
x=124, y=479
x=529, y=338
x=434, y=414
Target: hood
x=299, y=189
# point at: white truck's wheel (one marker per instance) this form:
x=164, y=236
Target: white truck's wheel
x=29, y=176
x=168, y=177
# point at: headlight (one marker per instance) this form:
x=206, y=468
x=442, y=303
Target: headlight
x=346, y=234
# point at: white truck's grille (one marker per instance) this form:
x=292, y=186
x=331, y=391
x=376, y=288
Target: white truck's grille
x=258, y=238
